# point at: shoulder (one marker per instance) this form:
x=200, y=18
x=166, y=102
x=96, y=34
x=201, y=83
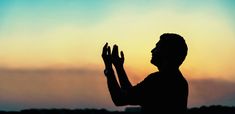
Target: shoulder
x=150, y=78
x=153, y=76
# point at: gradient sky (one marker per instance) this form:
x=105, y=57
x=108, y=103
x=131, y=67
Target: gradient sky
x=50, y=50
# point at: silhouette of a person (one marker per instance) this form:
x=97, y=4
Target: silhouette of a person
x=160, y=92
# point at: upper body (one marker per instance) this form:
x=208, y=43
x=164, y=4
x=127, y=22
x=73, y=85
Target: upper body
x=163, y=91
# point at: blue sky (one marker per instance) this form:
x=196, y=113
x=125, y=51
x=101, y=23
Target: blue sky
x=89, y=12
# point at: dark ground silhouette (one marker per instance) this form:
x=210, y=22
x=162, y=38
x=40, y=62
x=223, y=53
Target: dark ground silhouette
x=213, y=109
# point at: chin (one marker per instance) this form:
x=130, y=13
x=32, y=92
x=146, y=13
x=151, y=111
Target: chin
x=153, y=62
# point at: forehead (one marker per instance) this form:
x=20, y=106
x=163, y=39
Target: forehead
x=161, y=45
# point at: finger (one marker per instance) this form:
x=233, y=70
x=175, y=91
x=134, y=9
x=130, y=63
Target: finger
x=105, y=49
x=122, y=55
x=109, y=50
x=115, y=51
x=105, y=46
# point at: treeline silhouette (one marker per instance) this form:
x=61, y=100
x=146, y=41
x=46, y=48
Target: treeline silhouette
x=213, y=109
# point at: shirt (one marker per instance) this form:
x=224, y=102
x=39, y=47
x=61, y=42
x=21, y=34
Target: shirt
x=161, y=92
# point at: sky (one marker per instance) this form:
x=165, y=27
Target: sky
x=50, y=50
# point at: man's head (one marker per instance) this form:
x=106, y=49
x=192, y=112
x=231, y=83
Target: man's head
x=170, y=51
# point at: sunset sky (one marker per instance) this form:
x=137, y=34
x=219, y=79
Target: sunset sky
x=50, y=50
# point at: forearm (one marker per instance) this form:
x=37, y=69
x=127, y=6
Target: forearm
x=116, y=93
x=114, y=89
x=123, y=78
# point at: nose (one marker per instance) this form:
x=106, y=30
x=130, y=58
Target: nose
x=153, y=50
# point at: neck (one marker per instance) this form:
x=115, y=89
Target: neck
x=168, y=69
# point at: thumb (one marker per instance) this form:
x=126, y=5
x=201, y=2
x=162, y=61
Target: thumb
x=122, y=55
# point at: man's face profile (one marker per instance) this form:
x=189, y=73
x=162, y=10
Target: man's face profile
x=156, y=55
x=170, y=51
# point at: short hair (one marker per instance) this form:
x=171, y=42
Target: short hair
x=175, y=46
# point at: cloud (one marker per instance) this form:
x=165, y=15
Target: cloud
x=50, y=71
x=211, y=91
x=53, y=88
x=86, y=87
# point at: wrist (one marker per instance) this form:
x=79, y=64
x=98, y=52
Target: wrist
x=119, y=67
x=108, y=67
x=108, y=71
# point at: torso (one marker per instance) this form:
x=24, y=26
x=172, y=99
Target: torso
x=164, y=92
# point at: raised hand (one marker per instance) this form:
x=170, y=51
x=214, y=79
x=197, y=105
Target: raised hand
x=117, y=61
x=106, y=55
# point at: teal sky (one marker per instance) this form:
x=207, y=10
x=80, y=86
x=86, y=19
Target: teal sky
x=90, y=12
x=42, y=14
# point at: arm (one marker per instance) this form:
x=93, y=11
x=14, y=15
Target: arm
x=118, y=63
x=116, y=92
